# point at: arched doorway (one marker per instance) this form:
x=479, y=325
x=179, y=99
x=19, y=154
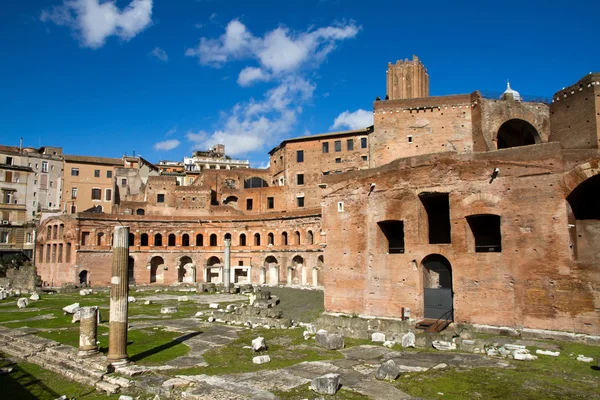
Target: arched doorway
x=584, y=219
x=154, y=264
x=272, y=270
x=517, y=132
x=437, y=288
x=213, y=270
x=184, y=271
x=83, y=276
x=131, y=270
x=296, y=272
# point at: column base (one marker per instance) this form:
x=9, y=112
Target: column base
x=87, y=353
x=119, y=363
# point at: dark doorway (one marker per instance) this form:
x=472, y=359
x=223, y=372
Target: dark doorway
x=131, y=270
x=515, y=133
x=585, y=199
x=437, y=288
x=154, y=264
x=83, y=277
x=437, y=206
x=486, y=232
x=393, y=232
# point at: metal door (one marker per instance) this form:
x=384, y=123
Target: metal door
x=438, y=303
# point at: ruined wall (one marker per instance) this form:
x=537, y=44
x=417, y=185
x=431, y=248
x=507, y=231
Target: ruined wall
x=22, y=278
x=405, y=128
x=574, y=114
x=491, y=114
x=57, y=242
x=532, y=282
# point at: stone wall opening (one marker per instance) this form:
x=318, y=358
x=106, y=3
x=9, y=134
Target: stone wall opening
x=213, y=240
x=517, y=132
x=144, y=239
x=255, y=182
x=131, y=239
x=437, y=207
x=185, y=240
x=171, y=240
x=199, y=240
x=486, y=232
x=155, y=262
x=158, y=239
x=584, y=219
x=83, y=277
x=437, y=287
x=131, y=270
x=243, y=239
x=393, y=235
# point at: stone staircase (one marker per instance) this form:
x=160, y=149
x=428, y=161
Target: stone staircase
x=58, y=358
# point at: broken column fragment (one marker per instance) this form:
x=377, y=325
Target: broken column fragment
x=88, y=327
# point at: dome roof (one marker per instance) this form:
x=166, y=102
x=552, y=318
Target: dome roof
x=510, y=93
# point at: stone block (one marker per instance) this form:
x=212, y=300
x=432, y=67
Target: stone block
x=168, y=310
x=22, y=302
x=183, y=298
x=443, y=345
x=34, y=296
x=583, y=358
x=261, y=359
x=548, y=353
x=85, y=292
x=259, y=344
x=326, y=384
x=214, y=306
x=70, y=309
x=388, y=371
x=378, y=337
x=408, y=340
x=131, y=299
x=330, y=341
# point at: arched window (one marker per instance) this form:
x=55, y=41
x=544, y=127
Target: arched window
x=158, y=239
x=310, y=237
x=131, y=239
x=284, y=239
x=243, y=239
x=140, y=211
x=199, y=240
x=297, y=237
x=270, y=239
x=227, y=236
x=517, y=132
x=257, y=239
x=144, y=239
x=213, y=240
x=171, y=239
x=255, y=182
x=185, y=240
x=61, y=231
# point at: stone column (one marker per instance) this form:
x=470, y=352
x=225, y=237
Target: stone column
x=119, y=291
x=262, y=277
x=315, y=275
x=88, y=327
x=289, y=276
x=227, y=269
x=304, y=277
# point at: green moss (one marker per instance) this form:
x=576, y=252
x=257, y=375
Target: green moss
x=304, y=392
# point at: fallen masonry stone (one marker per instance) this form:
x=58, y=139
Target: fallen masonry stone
x=148, y=302
x=310, y=328
x=22, y=302
x=389, y=344
x=514, y=346
x=131, y=299
x=231, y=307
x=259, y=344
x=63, y=397
x=326, y=384
x=388, y=371
x=175, y=382
x=261, y=359
x=183, y=298
x=76, y=316
x=444, y=346
x=378, y=337
x=330, y=341
x=548, y=353
x=70, y=309
x=583, y=358
x=524, y=357
x=109, y=388
x=168, y=310
x=306, y=335
x=213, y=305
x=123, y=397
x=408, y=340
x=211, y=319
x=199, y=314
x=85, y=292
x=34, y=296
x=441, y=366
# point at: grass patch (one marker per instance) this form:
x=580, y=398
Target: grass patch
x=299, y=305
x=285, y=347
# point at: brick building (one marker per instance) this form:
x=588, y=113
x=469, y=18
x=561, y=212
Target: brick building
x=463, y=207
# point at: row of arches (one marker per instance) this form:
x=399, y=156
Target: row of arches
x=243, y=239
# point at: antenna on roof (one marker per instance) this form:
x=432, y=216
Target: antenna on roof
x=134, y=153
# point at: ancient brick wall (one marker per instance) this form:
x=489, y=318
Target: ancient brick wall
x=533, y=282
x=57, y=242
x=575, y=114
x=405, y=128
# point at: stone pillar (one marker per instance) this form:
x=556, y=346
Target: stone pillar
x=315, y=274
x=88, y=327
x=289, y=276
x=119, y=291
x=262, y=277
x=227, y=269
x=304, y=277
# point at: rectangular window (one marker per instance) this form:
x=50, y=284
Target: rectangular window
x=300, y=179
x=337, y=145
x=365, y=158
x=160, y=198
x=248, y=204
x=4, y=237
x=28, y=238
x=73, y=209
x=270, y=203
x=73, y=193
x=96, y=194
x=107, y=194
x=393, y=231
x=96, y=173
x=60, y=252
x=486, y=232
x=74, y=171
x=44, y=166
x=300, y=201
x=350, y=144
x=68, y=253
x=109, y=174
x=363, y=143
x=325, y=147
x=338, y=160
x=124, y=182
x=437, y=206
x=300, y=156
x=9, y=161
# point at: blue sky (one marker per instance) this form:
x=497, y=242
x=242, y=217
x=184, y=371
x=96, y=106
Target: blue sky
x=164, y=77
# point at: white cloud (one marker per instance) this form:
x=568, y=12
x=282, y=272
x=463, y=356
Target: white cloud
x=170, y=132
x=353, y=120
x=167, y=144
x=253, y=124
x=160, y=54
x=249, y=75
x=279, y=51
x=93, y=21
